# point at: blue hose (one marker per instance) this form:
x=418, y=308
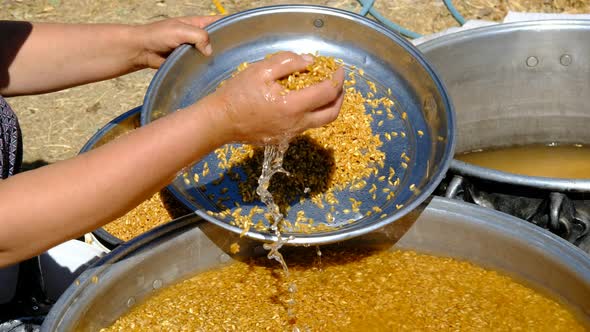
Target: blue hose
x=368, y=9
x=454, y=12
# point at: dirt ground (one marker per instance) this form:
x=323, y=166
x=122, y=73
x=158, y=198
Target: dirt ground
x=55, y=126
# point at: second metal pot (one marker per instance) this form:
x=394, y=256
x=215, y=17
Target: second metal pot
x=516, y=84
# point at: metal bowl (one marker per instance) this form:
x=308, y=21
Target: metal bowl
x=516, y=84
x=387, y=60
x=187, y=246
x=119, y=126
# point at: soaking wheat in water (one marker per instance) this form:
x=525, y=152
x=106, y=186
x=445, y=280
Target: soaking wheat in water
x=556, y=161
x=353, y=290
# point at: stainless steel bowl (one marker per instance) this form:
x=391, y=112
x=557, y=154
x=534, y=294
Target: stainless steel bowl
x=120, y=125
x=515, y=84
x=187, y=246
x=386, y=58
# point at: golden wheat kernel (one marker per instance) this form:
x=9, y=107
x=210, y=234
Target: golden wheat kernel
x=381, y=178
x=387, y=136
x=440, y=138
x=383, y=216
x=397, y=181
x=385, y=190
x=377, y=209
x=399, y=206
x=234, y=248
x=373, y=188
x=380, y=123
x=404, y=165
x=404, y=115
x=420, y=133
x=403, y=133
x=346, y=211
x=187, y=181
x=361, y=72
x=412, y=186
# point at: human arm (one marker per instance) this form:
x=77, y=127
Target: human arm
x=44, y=57
x=49, y=205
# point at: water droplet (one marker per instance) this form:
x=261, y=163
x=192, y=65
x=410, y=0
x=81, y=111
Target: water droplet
x=224, y=258
x=131, y=302
x=157, y=283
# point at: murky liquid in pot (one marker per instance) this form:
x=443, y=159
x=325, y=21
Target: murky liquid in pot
x=556, y=161
x=354, y=290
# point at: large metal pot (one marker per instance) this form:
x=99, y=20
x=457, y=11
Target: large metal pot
x=514, y=84
x=180, y=249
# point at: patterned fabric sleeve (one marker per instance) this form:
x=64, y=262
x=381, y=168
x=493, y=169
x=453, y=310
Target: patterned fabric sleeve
x=10, y=141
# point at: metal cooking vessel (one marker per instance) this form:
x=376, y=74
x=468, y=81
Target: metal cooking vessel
x=387, y=59
x=120, y=125
x=188, y=245
x=514, y=84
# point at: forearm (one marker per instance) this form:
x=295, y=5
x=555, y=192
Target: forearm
x=44, y=207
x=51, y=57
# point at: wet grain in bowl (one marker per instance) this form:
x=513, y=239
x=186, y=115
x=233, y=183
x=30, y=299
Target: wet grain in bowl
x=159, y=209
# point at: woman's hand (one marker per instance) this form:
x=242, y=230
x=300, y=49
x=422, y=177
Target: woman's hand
x=254, y=108
x=159, y=39
x=76, y=54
